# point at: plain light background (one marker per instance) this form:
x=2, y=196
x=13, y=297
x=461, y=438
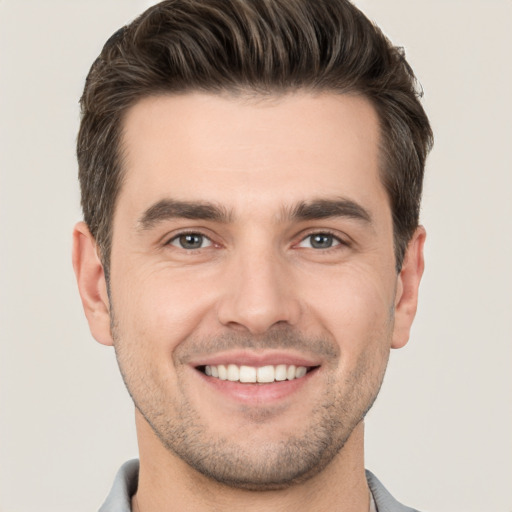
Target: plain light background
x=439, y=436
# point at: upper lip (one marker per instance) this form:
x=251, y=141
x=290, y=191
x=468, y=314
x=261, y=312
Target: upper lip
x=248, y=358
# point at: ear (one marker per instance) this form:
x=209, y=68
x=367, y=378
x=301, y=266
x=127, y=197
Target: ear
x=406, y=299
x=91, y=283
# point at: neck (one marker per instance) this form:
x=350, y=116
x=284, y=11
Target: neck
x=166, y=483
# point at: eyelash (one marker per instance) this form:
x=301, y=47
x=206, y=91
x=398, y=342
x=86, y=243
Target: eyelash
x=335, y=238
x=326, y=233
x=176, y=238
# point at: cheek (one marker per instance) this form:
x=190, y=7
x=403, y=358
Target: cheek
x=356, y=307
x=160, y=308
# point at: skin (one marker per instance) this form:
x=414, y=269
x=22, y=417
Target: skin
x=255, y=287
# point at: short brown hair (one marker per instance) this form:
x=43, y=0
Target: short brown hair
x=260, y=46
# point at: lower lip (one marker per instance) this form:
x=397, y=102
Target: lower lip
x=255, y=393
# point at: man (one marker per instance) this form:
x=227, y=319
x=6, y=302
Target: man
x=251, y=174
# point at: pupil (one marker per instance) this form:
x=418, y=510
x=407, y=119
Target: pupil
x=321, y=241
x=191, y=241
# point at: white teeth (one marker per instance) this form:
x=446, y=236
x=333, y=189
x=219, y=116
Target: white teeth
x=299, y=372
x=280, y=372
x=251, y=374
x=247, y=374
x=290, y=372
x=265, y=374
x=223, y=372
x=233, y=372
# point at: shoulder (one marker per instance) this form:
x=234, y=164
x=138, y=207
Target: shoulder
x=125, y=485
x=383, y=499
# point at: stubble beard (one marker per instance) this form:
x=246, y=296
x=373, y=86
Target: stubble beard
x=245, y=463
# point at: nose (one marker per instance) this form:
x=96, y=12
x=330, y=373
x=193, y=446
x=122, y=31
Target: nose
x=258, y=293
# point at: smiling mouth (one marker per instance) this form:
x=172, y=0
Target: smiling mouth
x=252, y=374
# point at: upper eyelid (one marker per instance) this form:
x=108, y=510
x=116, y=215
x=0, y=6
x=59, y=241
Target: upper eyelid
x=173, y=242
x=185, y=233
x=169, y=237
x=344, y=239
x=337, y=242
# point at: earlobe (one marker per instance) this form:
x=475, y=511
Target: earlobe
x=92, y=286
x=406, y=298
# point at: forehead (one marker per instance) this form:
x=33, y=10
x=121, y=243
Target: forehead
x=242, y=151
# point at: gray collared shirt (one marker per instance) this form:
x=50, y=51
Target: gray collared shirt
x=125, y=485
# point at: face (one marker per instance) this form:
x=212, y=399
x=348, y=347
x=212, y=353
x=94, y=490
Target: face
x=253, y=293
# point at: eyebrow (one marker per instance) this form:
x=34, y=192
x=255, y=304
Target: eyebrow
x=167, y=209
x=327, y=208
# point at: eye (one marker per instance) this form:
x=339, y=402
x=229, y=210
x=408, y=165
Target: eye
x=190, y=241
x=320, y=241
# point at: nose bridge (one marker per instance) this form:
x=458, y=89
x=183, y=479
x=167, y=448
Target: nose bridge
x=258, y=290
